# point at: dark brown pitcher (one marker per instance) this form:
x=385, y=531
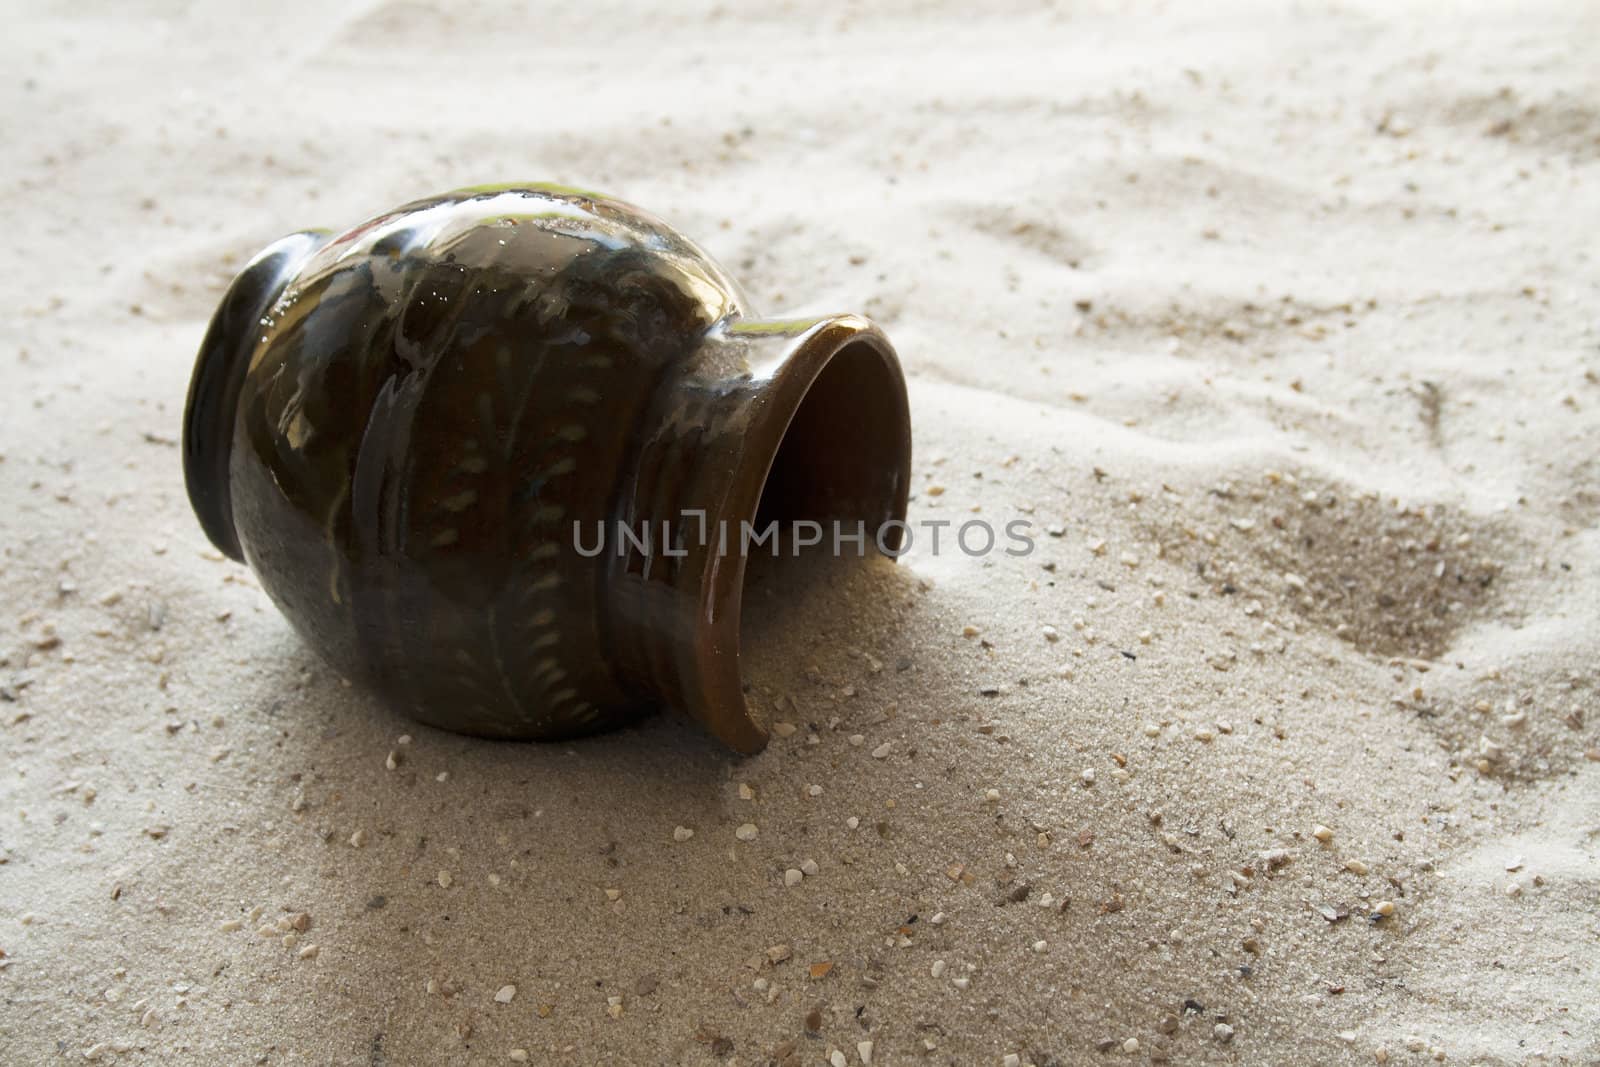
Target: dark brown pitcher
x=417, y=433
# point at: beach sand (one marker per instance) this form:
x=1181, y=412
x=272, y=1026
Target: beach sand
x=1281, y=324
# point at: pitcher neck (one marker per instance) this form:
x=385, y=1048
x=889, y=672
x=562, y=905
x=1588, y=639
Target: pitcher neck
x=767, y=421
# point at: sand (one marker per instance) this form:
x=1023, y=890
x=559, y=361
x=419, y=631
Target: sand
x=1283, y=323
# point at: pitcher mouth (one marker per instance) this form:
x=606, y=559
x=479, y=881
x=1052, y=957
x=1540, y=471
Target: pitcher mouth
x=830, y=443
x=219, y=371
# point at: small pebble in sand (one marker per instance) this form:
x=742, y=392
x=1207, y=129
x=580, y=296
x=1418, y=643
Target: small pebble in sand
x=858, y=739
x=309, y=951
x=1131, y=1045
x=792, y=876
x=681, y=834
x=1322, y=833
x=852, y=822
x=1355, y=867
x=836, y=1059
x=809, y=868
x=864, y=1051
x=1152, y=729
x=505, y=994
x=784, y=729
x=1383, y=908
x=1051, y=634
x=1011, y=1059
x=992, y=795
x=1273, y=858
x=358, y=839
x=613, y=895
x=746, y=792
x=961, y=983
x=1222, y=1032
x=938, y=918
x=445, y=879
x=746, y=831
x=937, y=970
x=518, y=1055
x=814, y=790
x=228, y=926
x=779, y=953
x=883, y=750
x=392, y=760
x=1088, y=776
x=403, y=739
x=1040, y=947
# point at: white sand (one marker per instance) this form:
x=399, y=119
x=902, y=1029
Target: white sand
x=1230, y=298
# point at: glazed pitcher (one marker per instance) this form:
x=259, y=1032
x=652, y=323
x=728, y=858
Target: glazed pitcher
x=416, y=431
